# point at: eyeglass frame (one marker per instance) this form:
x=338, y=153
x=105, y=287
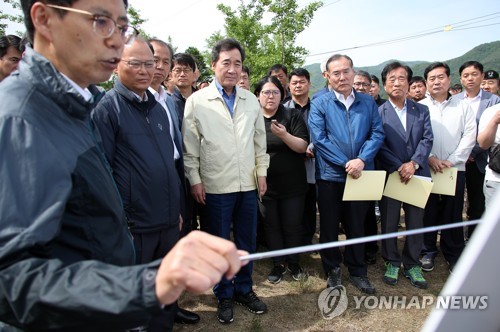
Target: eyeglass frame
x=363, y=84
x=139, y=64
x=269, y=93
x=95, y=17
x=185, y=70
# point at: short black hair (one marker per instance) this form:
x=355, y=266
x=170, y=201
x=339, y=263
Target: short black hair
x=435, y=65
x=8, y=41
x=474, y=64
x=301, y=72
x=269, y=79
x=416, y=79
x=363, y=73
x=375, y=79
x=227, y=44
x=28, y=22
x=244, y=69
x=395, y=65
x=277, y=67
x=184, y=59
x=336, y=57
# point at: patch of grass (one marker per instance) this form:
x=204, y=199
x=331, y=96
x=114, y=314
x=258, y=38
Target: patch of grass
x=293, y=305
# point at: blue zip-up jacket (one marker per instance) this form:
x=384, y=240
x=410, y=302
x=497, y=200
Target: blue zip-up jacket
x=136, y=138
x=339, y=135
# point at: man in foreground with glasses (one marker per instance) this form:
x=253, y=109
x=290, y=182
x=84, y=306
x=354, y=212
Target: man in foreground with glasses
x=11, y=51
x=66, y=255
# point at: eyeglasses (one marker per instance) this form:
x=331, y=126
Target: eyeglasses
x=136, y=64
x=359, y=84
x=104, y=26
x=268, y=93
x=182, y=70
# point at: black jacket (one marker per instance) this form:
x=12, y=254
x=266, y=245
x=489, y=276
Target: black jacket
x=137, y=142
x=65, y=250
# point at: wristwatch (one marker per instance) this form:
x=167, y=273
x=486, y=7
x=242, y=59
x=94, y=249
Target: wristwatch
x=416, y=165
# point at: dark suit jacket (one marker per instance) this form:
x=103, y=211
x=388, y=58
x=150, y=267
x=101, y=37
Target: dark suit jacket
x=401, y=146
x=487, y=100
x=174, y=113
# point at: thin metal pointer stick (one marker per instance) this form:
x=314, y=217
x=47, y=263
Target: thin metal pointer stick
x=334, y=244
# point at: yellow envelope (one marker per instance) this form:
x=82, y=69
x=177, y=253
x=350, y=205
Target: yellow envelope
x=415, y=192
x=446, y=182
x=368, y=187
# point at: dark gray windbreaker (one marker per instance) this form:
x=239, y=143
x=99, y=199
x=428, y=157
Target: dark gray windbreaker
x=65, y=250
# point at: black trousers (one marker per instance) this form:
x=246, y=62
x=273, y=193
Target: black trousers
x=371, y=229
x=331, y=210
x=390, y=210
x=309, y=219
x=283, y=225
x=442, y=210
x=150, y=247
x=474, y=181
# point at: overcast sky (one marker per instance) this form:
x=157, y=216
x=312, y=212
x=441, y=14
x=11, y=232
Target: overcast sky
x=344, y=24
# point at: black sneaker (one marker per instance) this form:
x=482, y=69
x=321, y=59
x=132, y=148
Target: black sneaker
x=334, y=278
x=276, y=274
x=252, y=302
x=296, y=271
x=363, y=284
x=225, y=311
x=451, y=267
x=427, y=263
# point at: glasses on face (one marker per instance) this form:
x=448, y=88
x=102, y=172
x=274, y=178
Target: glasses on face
x=269, y=93
x=178, y=71
x=104, y=26
x=136, y=64
x=361, y=84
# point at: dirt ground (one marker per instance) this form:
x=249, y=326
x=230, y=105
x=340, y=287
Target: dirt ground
x=292, y=305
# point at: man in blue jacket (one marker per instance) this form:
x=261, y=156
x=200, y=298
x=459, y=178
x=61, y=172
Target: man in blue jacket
x=347, y=133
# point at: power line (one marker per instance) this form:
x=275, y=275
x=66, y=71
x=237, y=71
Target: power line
x=457, y=26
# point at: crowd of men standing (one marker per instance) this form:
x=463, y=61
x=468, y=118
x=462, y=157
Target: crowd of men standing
x=135, y=169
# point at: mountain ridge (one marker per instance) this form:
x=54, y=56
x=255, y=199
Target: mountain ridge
x=488, y=54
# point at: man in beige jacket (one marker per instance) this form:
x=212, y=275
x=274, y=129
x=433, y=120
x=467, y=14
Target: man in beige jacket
x=226, y=164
